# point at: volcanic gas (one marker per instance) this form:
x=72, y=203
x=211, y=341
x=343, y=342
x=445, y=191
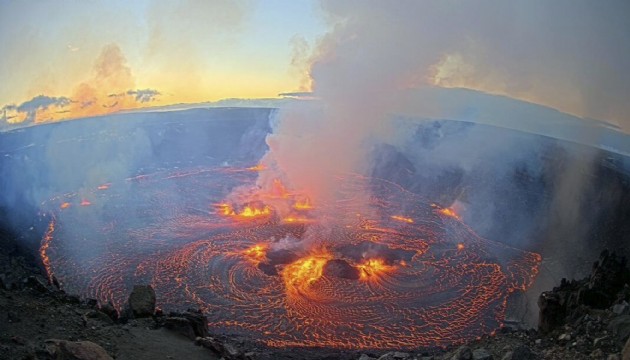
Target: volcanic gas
x=399, y=273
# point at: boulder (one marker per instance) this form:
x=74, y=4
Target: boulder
x=79, y=350
x=226, y=350
x=620, y=327
x=481, y=354
x=551, y=312
x=37, y=283
x=109, y=310
x=181, y=326
x=521, y=352
x=394, y=355
x=192, y=323
x=463, y=353
x=142, y=301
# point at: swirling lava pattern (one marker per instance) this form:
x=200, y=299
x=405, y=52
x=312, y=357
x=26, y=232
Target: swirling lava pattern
x=406, y=273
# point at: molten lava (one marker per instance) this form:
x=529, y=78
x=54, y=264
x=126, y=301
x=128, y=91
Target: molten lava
x=402, y=218
x=64, y=205
x=256, y=253
x=298, y=276
x=248, y=211
x=259, y=167
x=373, y=267
x=304, y=204
x=384, y=280
x=449, y=212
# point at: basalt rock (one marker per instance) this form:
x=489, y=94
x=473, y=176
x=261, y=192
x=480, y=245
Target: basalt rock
x=142, y=301
x=80, y=350
x=341, y=269
x=605, y=287
x=192, y=323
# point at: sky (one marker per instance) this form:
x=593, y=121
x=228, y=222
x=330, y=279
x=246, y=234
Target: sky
x=68, y=59
x=187, y=51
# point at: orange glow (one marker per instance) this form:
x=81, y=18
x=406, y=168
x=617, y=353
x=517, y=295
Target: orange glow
x=43, y=249
x=279, y=190
x=256, y=253
x=449, y=212
x=248, y=211
x=103, y=187
x=297, y=219
x=258, y=167
x=64, y=205
x=403, y=219
x=460, y=246
x=373, y=267
x=85, y=202
x=299, y=275
x=303, y=204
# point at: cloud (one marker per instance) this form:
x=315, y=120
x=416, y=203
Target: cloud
x=144, y=95
x=40, y=104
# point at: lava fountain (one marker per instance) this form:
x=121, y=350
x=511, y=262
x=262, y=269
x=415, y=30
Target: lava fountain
x=404, y=273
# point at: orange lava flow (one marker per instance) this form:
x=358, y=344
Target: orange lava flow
x=64, y=205
x=304, y=204
x=372, y=268
x=43, y=248
x=259, y=167
x=395, y=272
x=402, y=218
x=248, y=211
x=256, y=253
x=449, y=212
x=301, y=274
x=103, y=187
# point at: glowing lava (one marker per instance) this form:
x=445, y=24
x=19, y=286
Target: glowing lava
x=373, y=267
x=375, y=280
x=304, y=204
x=449, y=212
x=248, y=211
x=298, y=276
x=402, y=218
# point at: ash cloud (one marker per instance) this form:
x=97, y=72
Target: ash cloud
x=570, y=56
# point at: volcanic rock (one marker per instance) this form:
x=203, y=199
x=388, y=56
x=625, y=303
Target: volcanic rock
x=37, y=283
x=463, y=353
x=142, y=301
x=620, y=309
x=225, y=349
x=394, y=355
x=268, y=269
x=521, y=352
x=282, y=256
x=620, y=327
x=341, y=269
x=192, y=324
x=481, y=354
x=625, y=354
x=366, y=357
x=109, y=310
x=181, y=326
x=80, y=350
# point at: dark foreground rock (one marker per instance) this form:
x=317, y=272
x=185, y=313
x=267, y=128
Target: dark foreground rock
x=79, y=350
x=142, y=301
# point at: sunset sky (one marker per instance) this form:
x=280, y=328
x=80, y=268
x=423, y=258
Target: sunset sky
x=68, y=59
x=188, y=51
